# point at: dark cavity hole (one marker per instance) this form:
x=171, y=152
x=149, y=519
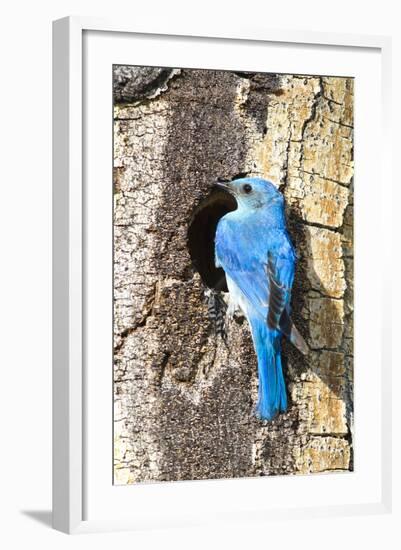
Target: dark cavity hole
x=201, y=235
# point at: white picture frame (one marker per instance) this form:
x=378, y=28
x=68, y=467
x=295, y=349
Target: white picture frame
x=70, y=426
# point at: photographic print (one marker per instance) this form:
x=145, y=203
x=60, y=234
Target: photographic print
x=233, y=274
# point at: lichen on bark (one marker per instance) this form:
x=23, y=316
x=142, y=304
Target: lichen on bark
x=183, y=400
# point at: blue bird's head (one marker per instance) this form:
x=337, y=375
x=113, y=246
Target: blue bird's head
x=253, y=193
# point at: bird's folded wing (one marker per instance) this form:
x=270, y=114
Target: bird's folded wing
x=265, y=282
x=263, y=273
x=280, y=273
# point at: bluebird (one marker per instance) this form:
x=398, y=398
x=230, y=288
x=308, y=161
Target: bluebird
x=254, y=249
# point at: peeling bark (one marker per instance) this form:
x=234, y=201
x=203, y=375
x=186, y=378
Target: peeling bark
x=183, y=399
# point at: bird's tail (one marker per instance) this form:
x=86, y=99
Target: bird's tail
x=272, y=395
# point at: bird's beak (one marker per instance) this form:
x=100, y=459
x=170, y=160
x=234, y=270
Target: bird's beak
x=224, y=185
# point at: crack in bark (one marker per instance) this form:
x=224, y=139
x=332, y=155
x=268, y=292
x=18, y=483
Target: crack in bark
x=341, y=183
x=338, y=122
x=139, y=324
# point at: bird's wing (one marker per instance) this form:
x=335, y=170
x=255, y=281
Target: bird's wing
x=280, y=273
x=280, y=270
x=261, y=271
x=264, y=278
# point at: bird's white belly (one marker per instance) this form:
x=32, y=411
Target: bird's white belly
x=237, y=299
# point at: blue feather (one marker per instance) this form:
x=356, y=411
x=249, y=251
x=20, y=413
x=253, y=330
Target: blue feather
x=253, y=247
x=272, y=395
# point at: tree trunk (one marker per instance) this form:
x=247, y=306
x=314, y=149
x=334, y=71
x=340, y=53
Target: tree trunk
x=184, y=399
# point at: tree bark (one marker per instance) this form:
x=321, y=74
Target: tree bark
x=183, y=400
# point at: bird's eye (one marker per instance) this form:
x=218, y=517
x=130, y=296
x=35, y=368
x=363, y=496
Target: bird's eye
x=247, y=188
